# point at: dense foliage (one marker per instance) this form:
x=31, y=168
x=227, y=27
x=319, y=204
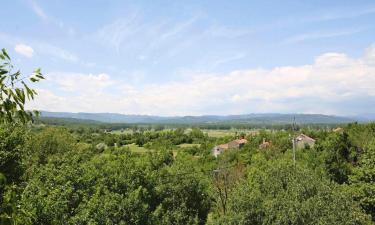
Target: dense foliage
x=276, y=192
x=53, y=175
x=65, y=182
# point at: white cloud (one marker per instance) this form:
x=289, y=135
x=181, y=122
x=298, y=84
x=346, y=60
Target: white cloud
x=338, y=15
x=319, y=16
x=115, y=33
x=48, y=19
x=42, y=48
x=38, y=10
x=227, y=32
x=334, y=84
x=370, y=55
x=56, y=52
x=229, y=59
x=24, y=50
x=131, y=32
x=321, y=35
x=81, y=83
x=46, y=99
x=179, y=28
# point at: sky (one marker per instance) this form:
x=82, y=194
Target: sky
x=196, y=57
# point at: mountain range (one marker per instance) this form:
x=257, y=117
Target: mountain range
x=255, y=118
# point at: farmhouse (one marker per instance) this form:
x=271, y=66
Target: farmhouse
x=265, y=144
x=235, y=144
x=338, y=130
x=303, y=140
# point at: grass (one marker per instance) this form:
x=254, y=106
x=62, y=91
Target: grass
x=211, y=133
x=219, y=133
x=188, y=145
x=231, y=132
x=135, y=148
x=124, y=131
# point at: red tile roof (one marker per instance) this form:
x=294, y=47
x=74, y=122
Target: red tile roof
x=241, y=141
x=224, y=146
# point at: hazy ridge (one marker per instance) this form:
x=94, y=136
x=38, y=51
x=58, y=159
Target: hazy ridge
x=256, y=118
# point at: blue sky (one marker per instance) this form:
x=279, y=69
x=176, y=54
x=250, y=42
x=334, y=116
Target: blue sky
x=196, y=57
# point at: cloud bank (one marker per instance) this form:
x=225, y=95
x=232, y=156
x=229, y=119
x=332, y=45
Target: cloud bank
x=334, y=84
x=24, y=50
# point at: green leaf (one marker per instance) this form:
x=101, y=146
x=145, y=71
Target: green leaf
x=20, y=95
x=2, y=72
x=13, y=98
x=5, y=53
x=2, y=79
x=36, y=113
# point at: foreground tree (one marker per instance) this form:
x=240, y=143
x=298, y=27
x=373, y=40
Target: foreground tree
x=14, y=92
x=362, y=181
x=81, y=186
x=340, y=156
x=279, y=193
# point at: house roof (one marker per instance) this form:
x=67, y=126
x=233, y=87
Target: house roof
x=224, y=146
x=339, y=129
x=241, y=141
x=303, y=137
x=265, y=145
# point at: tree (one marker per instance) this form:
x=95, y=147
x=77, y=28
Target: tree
x=115, y=187
x=362, y=181
x=12, y=143
x=340, y=155
x=14, y=91
x=182, y=194
x=226, y=179
x=50, y=141
x=276, y=192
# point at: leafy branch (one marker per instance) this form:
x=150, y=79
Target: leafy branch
x=14, y=92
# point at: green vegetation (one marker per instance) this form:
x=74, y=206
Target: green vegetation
x=276, y=192
x=57, y=175
x=14, y=91
x=189, y=145
x=83, y=173
x=135, y=148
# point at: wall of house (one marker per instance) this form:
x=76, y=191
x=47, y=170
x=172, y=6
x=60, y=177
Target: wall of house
x=301, y=144
x=216, y=151
x=233, y=144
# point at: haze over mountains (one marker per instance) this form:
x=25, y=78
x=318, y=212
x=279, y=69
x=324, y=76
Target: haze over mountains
x=258, y=118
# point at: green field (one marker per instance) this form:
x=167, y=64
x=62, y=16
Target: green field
x=135, y=148
x=123, y=131
x=231, y=132
x=188, y=145
x=210, y=132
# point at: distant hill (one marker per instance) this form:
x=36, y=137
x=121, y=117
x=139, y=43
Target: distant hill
x=66, y=120
x=261, y=118
x=365, y=117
